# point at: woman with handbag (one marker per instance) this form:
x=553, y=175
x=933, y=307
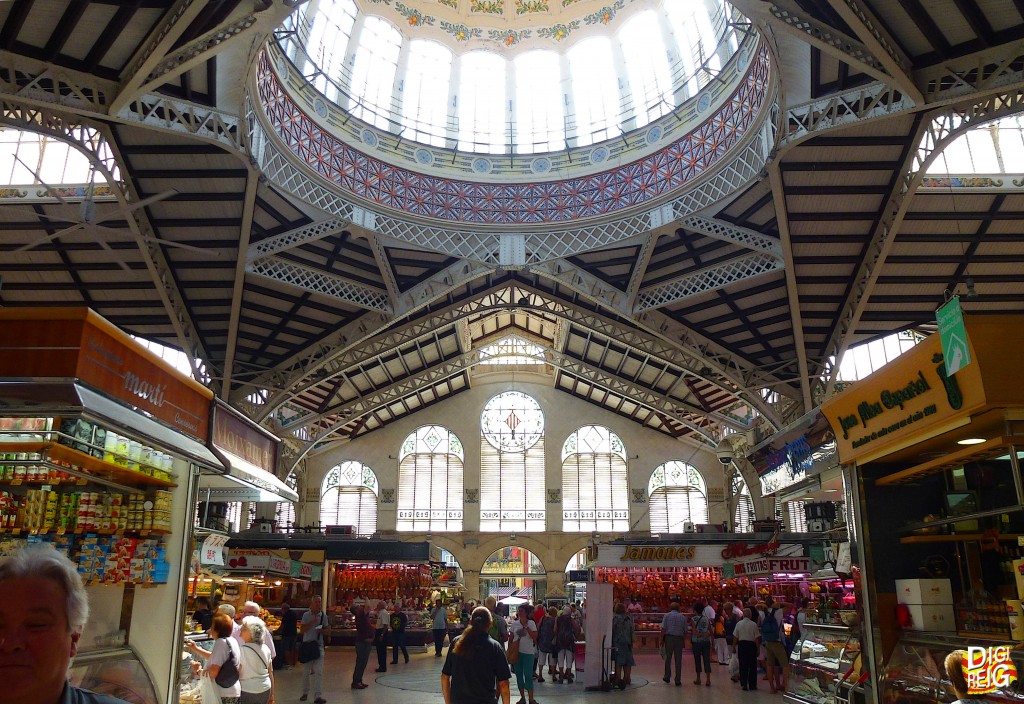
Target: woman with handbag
x=521, y=651
x=223, y=661
x=257, y=670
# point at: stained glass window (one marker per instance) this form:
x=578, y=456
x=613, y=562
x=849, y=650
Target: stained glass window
x=595, y=488
x=678, y=495
x=349, y=498
x=430, y=480
x=512, y=490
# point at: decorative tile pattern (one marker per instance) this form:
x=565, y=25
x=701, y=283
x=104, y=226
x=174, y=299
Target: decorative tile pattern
x=566, y=200
x=449, y=3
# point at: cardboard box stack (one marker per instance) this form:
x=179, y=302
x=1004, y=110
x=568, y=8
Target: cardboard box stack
x=930, y=602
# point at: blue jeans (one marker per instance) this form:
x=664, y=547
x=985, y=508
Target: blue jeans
x=524, y=672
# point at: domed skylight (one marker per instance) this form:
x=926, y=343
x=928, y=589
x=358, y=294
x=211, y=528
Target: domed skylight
x=509, y=76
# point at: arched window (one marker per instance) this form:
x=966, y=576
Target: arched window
x=425, y=92
x=540, y=109
x=349, y=498
x=512, y=490
x=743, y=518
x=678, y=495
x=595, y=488
x=595, y=90
x=649, y=81
x=329, y=33
x=373, y=73
x=430, y=467
x=482, y=102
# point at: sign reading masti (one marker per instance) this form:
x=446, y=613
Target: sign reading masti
x=78, y=343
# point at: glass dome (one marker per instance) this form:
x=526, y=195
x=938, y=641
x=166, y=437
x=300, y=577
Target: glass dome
x=510, y=76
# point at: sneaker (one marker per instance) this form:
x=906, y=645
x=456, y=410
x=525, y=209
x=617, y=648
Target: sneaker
x=304, y=697
x=358, y=685
x=666, y=680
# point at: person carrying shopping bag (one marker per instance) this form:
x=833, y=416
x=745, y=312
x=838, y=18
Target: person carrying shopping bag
x=524, y=634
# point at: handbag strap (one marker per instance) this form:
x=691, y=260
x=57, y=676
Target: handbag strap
x=258, y=654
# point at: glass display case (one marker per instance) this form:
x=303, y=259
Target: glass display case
x=646, y=630
x=417, y=631
x=824, y=655
x=117, y=672
x=915, y=673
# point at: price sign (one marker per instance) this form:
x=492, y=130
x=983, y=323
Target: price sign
x=212, y=552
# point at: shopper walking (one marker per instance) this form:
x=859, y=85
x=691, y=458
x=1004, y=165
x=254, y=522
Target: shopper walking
x=673, y=632
x=312, y=627
x=747, y=636
x=476, y=667
x=498, y=629
x=622, y=645
x=546, y=644
x=565, y=646
x=524, y=634
x=364, y=644
x=439, y=617
x=700, y=642
x=289, y=632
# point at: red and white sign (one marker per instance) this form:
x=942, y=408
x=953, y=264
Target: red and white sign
x=773, y=565
x=212, y=551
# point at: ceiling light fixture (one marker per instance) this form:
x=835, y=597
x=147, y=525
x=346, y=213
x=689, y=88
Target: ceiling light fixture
x=970, y=441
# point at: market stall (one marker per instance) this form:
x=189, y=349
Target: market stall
x=937, y=450
x=100, y=441
x=659, y=573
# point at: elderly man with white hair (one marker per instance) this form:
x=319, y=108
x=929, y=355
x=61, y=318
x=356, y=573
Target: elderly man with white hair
x=251, y=608
x=43, y=609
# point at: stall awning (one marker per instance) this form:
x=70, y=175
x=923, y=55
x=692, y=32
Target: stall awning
x=46, y=398
x=243, y=481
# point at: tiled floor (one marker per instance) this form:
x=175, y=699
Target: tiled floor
x=419, y=681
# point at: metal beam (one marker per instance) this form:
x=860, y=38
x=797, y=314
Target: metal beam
x=704, y=362
x=788, y=17
x=440, y=284
x=345, y=413
x=933, y=134
x=792, y=291
x=313, y=232
x=384, y=264
x=870, y=31
x=733, y=234
x=247, y=31
x=712, y=278
x=153, y=49
x=309, y=279
x=976, y=76
x=248, y=210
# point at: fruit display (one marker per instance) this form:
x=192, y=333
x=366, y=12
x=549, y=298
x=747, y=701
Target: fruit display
x=658, y=587
x=381, y=582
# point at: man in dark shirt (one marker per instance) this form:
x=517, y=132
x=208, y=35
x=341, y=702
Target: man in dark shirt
x=364, y=644
x=399, y=621
x=289, y=632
